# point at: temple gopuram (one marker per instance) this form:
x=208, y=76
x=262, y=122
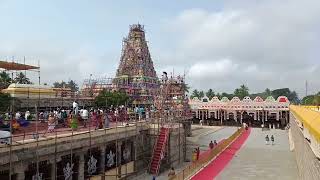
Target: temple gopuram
x=136, y=75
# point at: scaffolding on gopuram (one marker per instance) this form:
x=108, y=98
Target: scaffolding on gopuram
x=135, y=75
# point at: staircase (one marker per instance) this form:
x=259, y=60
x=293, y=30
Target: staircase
x=159, y=148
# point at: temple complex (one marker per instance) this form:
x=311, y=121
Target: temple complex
x=257, y=112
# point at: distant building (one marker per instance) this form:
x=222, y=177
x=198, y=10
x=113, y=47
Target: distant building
x=257, y=112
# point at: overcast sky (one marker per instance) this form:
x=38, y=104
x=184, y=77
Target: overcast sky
x=219, y=44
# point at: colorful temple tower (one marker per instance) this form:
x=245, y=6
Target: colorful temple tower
x=136, y=75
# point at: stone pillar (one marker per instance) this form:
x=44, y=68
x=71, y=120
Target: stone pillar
x=255, y=116
x=197, y=113
x=241, y=118
x=81, y=167
x=119, y=158
x=202, y=115
x=267, y=115
x=216, y=114
x=53, y=166
x=102, y=161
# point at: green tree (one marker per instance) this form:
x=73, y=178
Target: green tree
x=316, y=100
x=185, y=87
x=107, y=98
x=22, y=79
x=291, y=95
x=210, y=94
x=73, y=86
x=308, y=100
x=224, y=94
x=4, y=102
x=241, y=92
x=5, y=80
x=201, y=94
x=195, y=93
x=60, y=85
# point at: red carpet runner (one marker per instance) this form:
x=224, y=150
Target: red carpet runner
x=218, y=164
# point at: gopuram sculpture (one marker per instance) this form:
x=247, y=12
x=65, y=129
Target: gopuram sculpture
x=136, y=75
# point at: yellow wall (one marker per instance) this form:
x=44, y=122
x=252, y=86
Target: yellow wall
x=309, y=118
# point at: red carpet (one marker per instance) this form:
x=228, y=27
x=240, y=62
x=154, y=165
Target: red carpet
x=205, y=153
x=218, y=164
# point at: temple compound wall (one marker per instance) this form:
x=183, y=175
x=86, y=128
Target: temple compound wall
x=269, y=112
x=117, y=152
x=304, y=135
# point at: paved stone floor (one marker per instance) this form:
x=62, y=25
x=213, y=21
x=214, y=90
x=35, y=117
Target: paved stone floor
x=255, y=160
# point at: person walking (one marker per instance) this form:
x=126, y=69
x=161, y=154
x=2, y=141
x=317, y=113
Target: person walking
x=272, y=140
x=267, y=140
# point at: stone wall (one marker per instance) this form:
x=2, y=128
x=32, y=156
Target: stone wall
x=308, y=164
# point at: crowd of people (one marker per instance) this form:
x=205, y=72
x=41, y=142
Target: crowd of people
x=73, y=118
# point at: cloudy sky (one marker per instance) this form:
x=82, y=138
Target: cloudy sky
x=219, y=44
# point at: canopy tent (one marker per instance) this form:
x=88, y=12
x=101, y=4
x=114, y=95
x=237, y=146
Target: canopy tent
x=16, y=66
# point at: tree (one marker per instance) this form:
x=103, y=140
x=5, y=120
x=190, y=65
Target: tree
x=241, y=92
x=316, y=100
x=308, y=100
x=210, y=94
x=107, y=98
x=201, y=94
x=195, y=93
x=73, y=86
x=60, y=85
x=291, y=95
x=22, y=79
x=185, y=87
x=5, y=80
x=4, y=102
x=224, y=94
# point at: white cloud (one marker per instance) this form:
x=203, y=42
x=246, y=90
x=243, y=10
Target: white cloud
x=271, y=44
x=214, y=69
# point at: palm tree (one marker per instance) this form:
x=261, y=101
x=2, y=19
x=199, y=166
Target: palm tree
x=210, y=94
x=22, y=79
x=185, y=87
x=195, y=93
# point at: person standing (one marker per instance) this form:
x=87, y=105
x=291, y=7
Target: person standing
x=171, y=173
x=198, y=153
x=106, y=119
x=211, y=145
x=272, y=140
x=267, y=140
x=215, y=143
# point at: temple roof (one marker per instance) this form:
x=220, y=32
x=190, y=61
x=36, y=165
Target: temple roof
x=16, y=66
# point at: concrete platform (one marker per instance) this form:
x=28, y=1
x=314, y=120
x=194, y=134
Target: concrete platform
x=255, y=160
